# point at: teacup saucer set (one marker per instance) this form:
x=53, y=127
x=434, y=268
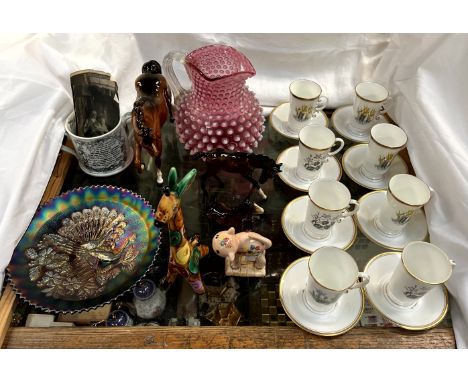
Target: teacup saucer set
x=324, y=293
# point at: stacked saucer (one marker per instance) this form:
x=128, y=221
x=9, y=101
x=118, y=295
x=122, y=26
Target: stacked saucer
x=279, y=121
x=342, y=235
x=331, y=169
x=426, y=313
x=343, y=122
x=352, y=161
x=370, y=206
x=343, y=317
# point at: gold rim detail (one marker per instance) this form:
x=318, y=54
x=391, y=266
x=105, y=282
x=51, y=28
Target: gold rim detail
x=284, y=179
x=271, y=124
x=407, y=204
x=323, y=286
x=305, y=99
x=368, y=100
x=367, y=235
x=348, y=245
x=325, y=334
x=414, y=328
x=345, y=156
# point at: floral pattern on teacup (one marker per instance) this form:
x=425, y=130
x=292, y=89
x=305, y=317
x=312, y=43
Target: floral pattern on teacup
x=323, y=221
x=323, y=298
x=402, y=218
x=415, y=291
x=385, y=161
x=303, y=112
x=313, y=162
x=365, y=115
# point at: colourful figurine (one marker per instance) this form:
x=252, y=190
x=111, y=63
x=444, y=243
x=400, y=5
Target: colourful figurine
x=244, y=252
x=185, y=254
x=150, y=112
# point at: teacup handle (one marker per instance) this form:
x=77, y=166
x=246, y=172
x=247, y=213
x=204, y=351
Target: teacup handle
x=353, y=211
x=385, y=107
x=341, y=142
x=128, y=127
x=321, y=103
x=68, y=150
x=364, y=277
x=452, y=263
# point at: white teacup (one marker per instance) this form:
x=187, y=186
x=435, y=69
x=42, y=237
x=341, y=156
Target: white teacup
x=372, y=99
x=305, y=101
x=315, y=145
x=386, y=141
x=422, y=267
x=405, y=195
x=332, y=272
x=329, y=203
x=106, y=154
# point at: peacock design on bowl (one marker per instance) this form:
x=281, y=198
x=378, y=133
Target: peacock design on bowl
x=88, y=250
x=85, y=248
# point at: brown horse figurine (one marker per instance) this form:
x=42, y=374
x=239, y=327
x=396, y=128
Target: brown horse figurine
x=150, y=112
x=185, y=254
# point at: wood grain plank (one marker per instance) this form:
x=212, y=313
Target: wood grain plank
x=58, y=175
x=224, y=338
x=7, y=306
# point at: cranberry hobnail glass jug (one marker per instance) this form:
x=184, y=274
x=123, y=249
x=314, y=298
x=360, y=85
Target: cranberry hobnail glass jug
x=219, y=111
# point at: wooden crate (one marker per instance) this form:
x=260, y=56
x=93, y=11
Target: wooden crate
x=200, y=337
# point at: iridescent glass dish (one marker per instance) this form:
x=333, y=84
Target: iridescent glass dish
x=84, y=249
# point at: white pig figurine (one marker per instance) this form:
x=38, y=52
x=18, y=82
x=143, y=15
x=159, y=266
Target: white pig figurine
x=249, y=245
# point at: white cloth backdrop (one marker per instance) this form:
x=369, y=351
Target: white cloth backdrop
x=426, y=75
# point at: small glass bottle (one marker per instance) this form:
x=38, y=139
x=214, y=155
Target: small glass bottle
x=119, y=318
x=149, y=301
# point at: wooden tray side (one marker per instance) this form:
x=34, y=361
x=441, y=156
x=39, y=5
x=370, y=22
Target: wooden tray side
x=251, y=337
x=201, y=337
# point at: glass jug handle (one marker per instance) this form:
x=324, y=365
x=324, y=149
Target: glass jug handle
x=169, y=73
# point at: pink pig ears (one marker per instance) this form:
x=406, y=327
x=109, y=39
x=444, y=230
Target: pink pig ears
x=231, y=231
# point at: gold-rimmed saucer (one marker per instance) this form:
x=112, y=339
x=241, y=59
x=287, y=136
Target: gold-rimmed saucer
x=342, y=120
x=342, y=234
x=331, y=169
x=354, y=157
x=342, y=318
x=370, y=205
x=278, y=119
x=428, y=312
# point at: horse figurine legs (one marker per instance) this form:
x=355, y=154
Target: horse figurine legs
x=262, y=194
x=157, y=163
x=256, y=185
